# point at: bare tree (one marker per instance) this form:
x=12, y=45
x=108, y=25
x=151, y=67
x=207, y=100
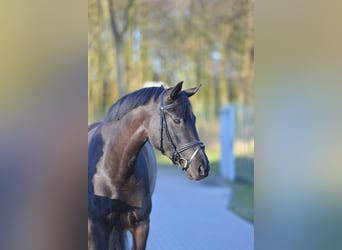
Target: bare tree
x=120, y=20
x=179, y=39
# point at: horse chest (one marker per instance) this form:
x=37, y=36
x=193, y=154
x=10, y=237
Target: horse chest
x=132, y=207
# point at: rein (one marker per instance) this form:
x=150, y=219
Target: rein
x=177, y=158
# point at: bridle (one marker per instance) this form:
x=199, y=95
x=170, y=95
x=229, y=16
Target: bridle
x=177, y=159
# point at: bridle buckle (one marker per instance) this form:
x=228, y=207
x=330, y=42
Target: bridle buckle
x=183, y=163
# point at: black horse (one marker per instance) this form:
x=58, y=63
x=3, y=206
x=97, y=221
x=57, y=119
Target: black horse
x=122, y=166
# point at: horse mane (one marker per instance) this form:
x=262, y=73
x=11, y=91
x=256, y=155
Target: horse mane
x=132, y=101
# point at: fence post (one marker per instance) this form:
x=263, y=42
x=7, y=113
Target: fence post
x=227, y=164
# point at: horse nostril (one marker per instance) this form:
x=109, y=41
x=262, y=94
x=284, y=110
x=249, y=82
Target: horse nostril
x=201, y=171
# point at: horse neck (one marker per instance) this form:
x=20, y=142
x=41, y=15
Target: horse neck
x=125, y=138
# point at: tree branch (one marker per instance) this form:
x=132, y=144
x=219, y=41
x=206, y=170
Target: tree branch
x=118, y=34
x=113, y=21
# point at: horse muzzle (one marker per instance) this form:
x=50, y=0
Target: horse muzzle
x=198, y=168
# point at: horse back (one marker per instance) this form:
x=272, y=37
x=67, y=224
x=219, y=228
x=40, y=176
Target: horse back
x=92, y=128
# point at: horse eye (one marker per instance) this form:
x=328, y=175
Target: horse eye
x=177, y=121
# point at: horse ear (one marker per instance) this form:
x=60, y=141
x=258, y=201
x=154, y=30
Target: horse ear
x=175, y=91
x=192, y=91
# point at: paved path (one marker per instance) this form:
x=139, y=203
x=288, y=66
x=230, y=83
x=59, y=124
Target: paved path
x=190, y=215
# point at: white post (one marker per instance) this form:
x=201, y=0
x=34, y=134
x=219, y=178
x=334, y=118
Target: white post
x=227, y=164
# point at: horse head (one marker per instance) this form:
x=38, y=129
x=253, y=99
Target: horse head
x=175, y=133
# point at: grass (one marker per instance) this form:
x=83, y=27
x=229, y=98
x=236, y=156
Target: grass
x=242, y=202
x=244, y=168
x=162, y=159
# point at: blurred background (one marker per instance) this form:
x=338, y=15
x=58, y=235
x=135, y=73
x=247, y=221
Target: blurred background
x=138, y=42
x=44, y=97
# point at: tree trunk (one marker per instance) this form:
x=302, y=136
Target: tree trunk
x=119, y=34
x=217, y=97
x=120, y=67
